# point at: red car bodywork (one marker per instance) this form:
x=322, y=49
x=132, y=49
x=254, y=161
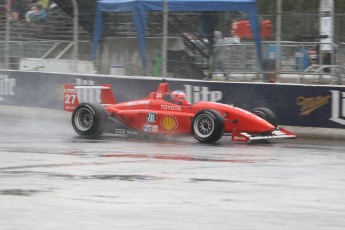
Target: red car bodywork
x=156, y=115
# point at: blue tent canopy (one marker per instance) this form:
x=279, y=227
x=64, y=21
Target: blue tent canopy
x=139, y=9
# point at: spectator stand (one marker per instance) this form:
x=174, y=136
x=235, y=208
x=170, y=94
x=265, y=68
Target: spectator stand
x=51, y=38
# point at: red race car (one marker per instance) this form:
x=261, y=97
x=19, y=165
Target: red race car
x=166, y=113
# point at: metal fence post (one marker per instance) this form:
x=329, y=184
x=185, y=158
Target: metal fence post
x=278, y=39
x=75, y=35
x=7, y=36
x=164, y=42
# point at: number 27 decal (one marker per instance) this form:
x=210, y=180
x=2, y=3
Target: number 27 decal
x=70, y=98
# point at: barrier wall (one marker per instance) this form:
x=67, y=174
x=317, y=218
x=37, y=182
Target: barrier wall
x=294, y=105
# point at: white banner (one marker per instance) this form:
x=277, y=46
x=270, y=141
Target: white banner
x=326, y=24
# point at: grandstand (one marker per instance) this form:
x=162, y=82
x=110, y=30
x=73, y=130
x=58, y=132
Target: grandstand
x=51, y=39
x=58, y=26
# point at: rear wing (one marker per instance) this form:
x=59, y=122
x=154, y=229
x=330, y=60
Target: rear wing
x=76, y=94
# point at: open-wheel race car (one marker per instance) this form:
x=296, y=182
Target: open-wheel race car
x=166, y=113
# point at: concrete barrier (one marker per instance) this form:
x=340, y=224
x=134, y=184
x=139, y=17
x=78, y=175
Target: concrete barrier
x=297, y=105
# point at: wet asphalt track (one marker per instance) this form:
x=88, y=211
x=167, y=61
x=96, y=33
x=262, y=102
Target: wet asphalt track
x=52, y=179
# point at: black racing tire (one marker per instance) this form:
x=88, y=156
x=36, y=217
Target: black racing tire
x=208, y=126
x=267, y=115
x=89, y=119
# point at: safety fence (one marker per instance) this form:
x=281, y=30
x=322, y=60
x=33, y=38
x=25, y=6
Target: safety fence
x=295, y=56
x=229, y=61
x=194, y=51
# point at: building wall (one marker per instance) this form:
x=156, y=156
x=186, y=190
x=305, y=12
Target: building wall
x=125, y=51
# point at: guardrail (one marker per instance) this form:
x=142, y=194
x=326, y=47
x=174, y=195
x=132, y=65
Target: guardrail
x=325, y=74
x=238, y=61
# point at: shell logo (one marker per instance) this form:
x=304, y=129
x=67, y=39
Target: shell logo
x=169, y=123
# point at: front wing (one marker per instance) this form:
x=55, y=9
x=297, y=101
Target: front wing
x=275, y=134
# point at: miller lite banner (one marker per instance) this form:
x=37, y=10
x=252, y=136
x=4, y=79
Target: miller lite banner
x=295, y=105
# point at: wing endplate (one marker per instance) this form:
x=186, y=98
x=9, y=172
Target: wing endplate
x=279, y=133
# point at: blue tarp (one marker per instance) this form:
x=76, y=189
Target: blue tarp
x=139, y=9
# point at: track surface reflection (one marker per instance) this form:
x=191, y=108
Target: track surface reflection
x=50, y=178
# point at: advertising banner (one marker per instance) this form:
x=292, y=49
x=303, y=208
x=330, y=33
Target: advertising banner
x=295, y=105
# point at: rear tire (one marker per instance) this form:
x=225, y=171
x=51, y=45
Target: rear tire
x=267, y=115
x=208, y=126
x=89, y=119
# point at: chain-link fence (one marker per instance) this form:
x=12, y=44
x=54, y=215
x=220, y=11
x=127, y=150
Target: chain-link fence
x=211, y=45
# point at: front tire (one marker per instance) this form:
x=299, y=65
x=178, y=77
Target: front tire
x=89, y=119
x=208, y=126
x=267, y=115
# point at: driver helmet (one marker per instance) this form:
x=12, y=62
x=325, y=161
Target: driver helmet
x=178, y=97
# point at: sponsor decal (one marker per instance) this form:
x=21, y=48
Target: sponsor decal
x=338, y=107
x=238, y=137
x=69, y=107
x=70, y=90
x=151, y=128
x=197, y=93
x=171, y=107
x=129, y=132
x=133, y=103
x=169, y=123
x=120, y=131
x=159, y=95
x=309, y=104
x=151, y=117
x=6, y=86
